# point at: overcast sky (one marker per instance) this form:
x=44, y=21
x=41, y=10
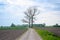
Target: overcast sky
x=12, y=11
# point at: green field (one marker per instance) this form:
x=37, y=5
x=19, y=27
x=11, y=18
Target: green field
x=13, y=28
x=47, y=35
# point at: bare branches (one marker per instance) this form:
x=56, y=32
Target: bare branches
x=25, y=21
x=30, y=13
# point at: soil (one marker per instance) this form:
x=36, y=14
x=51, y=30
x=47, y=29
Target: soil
x=10, y=34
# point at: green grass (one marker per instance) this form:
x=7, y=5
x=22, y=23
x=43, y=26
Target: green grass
x=47, y=35
x=13, y=28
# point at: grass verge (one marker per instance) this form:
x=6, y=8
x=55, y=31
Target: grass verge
x=47, y=35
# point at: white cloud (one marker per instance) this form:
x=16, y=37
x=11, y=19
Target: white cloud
x=50, y=18
x=15, y=11
x=21, y=2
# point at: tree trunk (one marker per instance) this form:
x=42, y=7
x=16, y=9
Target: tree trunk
x=32, y=22
x=29, y=23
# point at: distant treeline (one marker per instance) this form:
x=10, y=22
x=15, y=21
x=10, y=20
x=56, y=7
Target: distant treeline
x=39, y=25
x=56, y=25
x=34, y=25
x=13, y=27
x=44, y=25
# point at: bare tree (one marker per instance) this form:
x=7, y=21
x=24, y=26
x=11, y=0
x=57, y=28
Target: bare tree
x=30, y=16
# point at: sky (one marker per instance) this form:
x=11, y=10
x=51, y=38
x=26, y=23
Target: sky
x=12, y=11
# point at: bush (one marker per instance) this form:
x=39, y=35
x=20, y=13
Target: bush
x=13, y=25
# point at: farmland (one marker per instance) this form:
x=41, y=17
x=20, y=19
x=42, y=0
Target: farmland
x=11, y=33
x=49, y=33
x=55, y=30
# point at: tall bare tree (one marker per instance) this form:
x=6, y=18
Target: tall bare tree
x=30, y=15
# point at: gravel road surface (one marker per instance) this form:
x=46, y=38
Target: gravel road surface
x=31, y=34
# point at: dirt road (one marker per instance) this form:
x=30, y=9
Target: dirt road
x=30, y=35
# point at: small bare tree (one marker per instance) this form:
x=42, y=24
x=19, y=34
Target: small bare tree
x=30, y=16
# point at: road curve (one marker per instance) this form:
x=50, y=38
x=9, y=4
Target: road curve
x=30, y=35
